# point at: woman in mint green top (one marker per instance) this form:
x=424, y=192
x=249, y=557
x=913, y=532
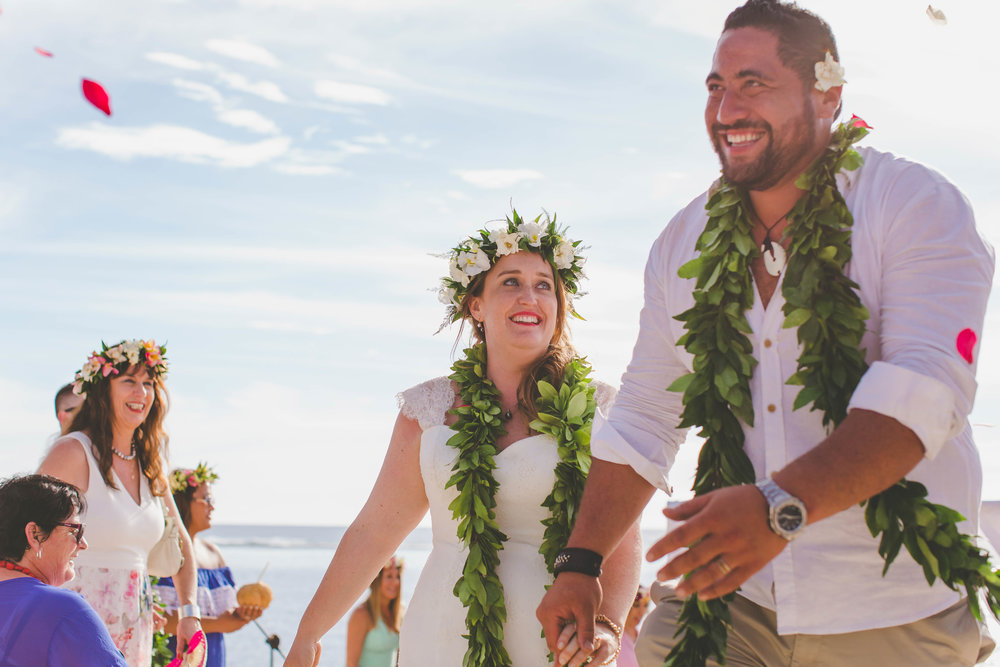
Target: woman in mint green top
x=373, y=630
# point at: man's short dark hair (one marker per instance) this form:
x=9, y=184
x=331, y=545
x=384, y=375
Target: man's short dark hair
x=64, y=391
x=803, y=37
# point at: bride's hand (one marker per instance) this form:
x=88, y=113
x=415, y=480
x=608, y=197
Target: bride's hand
x=571, y=655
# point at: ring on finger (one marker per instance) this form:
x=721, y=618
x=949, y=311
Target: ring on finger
x=722, y=565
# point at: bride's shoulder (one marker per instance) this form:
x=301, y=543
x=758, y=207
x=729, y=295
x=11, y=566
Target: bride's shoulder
x=428, y=402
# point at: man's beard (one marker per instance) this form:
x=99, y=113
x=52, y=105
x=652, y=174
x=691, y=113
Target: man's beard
x=775, y=162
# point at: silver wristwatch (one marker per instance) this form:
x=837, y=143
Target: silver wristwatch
x=786, y=514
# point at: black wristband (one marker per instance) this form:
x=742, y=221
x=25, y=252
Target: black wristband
x=583, y=561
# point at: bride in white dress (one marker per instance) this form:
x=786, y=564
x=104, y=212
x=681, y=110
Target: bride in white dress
x=513, y=286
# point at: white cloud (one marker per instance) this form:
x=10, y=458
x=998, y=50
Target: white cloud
x=377, y=139
x=413, y=140
x=496, y=178
x=245, y=51
x=351, y=93
x=351, y=149
x=170, y=142
x=266, y=89
x=354, y=65
x=308, y=169
x=197, y=91
x=250, y=120
x=175, y=60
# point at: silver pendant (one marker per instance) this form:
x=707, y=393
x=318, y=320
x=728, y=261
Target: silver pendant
x=774, y=257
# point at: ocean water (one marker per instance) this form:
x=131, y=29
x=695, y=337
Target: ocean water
x=296, y=558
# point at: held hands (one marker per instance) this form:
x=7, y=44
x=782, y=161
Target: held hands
x=573, y=656
x=727, y=536
x=303, y=654
x=573, y=598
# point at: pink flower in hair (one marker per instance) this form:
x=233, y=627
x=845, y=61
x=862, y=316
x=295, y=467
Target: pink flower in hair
x=192, y=482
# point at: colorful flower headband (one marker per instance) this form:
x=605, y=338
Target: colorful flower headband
x=113, y=360
x=482, y=250
x=182, y=479
x=396, y=562
x=829, y=73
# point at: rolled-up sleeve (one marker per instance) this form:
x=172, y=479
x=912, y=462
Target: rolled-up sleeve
x=641, y=429
x=936, y=273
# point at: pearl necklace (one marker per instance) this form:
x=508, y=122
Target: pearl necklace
x=125, y=457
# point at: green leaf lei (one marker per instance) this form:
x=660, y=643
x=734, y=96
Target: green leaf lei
x=565, y=413
x=823, y=304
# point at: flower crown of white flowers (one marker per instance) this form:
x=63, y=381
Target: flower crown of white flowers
x=479, y=252
x=182, y=479
x=829, y=73
x=111, y=361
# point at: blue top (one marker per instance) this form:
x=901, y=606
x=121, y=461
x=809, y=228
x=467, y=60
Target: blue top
x=216, y=595
x=45, y=625
x=380, y=647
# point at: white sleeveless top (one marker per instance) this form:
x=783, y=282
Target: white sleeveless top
x=119, y=533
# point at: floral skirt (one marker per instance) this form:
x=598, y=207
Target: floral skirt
x=123, y=600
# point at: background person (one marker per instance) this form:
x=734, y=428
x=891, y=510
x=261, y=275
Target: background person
x=373, y=630
x=512, y=286
x=41, y=532
x=640, y=607
x=115, y=454
x=221, y=613
x=66, y=403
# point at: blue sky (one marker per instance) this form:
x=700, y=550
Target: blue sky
x=276, y=175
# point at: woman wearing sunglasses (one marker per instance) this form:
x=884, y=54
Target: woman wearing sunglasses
x=41, y=532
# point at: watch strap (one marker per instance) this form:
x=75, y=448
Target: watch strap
x=574, y=559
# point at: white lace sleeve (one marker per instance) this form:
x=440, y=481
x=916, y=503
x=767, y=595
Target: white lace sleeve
x=428, y=402
x=604, y=395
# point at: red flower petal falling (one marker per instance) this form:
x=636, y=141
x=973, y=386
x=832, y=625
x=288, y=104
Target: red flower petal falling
x=96, y=95
x=965, y=342
x=858, y=121
x=42, y=52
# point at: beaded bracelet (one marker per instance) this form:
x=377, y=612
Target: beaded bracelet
x=601, y=618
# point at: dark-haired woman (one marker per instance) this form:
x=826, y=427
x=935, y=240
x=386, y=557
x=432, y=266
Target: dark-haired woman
x=41, y=532
x=373, y=631
x=498, y=452
x=115, y=454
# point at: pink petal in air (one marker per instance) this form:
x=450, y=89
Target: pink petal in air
x=965, y=342
x=42, y=52
x=96, y=95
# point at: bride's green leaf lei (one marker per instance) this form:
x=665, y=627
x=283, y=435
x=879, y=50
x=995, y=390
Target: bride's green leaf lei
x=565, y=413
x=824, y=305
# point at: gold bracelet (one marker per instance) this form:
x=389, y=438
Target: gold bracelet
x=601, y=618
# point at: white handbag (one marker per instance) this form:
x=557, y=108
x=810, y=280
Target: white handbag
x=166, y=558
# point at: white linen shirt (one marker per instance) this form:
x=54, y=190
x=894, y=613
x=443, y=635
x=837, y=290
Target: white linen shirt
x=924, y=274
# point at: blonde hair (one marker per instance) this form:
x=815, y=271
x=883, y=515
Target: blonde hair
x=374, y=602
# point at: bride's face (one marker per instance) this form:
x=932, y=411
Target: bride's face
x=518, y=305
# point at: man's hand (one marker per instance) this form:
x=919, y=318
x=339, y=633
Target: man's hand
x=728, y=539
x=572, y=598
x=303, y=654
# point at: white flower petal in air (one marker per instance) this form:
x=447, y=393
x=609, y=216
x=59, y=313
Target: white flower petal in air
x=532, y=232
x=937, y=16
x=829, y=73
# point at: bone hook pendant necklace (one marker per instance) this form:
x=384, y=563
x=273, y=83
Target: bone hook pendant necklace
x=771, y=250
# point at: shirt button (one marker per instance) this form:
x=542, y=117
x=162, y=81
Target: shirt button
x=772, y=407
x=767, y=342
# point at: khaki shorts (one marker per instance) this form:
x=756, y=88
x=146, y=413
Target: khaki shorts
x=952, y=637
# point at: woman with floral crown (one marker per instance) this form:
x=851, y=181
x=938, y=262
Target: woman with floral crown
x=115, y=453
x=498, y=452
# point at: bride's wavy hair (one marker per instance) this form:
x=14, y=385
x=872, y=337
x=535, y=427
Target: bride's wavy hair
x=96, y=417
x=550, y=365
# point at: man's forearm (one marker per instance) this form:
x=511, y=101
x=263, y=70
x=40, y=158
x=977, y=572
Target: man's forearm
x=613, y=499
x=865, y=455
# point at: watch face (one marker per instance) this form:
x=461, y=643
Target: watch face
x=789, y=518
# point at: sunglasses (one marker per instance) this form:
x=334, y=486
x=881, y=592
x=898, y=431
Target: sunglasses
x=77, y=529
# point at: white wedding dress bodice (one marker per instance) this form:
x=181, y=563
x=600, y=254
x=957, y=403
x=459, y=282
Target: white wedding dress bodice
x=435, y=619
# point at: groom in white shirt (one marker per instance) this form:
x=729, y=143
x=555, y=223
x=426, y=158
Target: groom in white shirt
x=923, y=273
